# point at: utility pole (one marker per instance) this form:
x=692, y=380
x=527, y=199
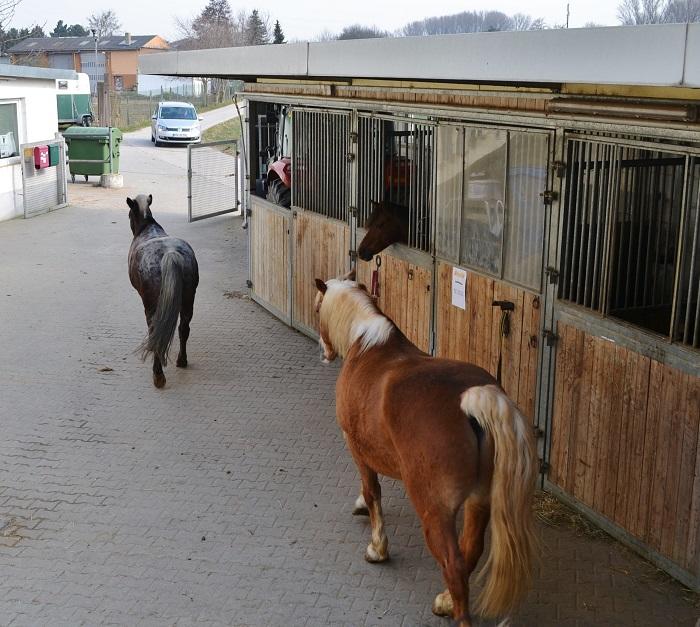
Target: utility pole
x=567, y=15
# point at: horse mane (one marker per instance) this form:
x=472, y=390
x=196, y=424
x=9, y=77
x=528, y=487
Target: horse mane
x=349, y=314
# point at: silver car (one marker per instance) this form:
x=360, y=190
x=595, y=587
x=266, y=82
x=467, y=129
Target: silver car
x=175, y=123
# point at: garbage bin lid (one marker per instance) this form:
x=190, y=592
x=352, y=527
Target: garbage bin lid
x=84, y=132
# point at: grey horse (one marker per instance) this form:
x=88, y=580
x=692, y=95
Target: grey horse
x=164, y=271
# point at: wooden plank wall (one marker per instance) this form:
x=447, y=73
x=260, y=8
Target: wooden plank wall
x=321, y=250
x=269, y=255
x=405, y=295
x=625, y=442
x=473, y=334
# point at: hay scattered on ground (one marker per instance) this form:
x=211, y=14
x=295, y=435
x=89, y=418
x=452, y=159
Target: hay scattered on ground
x=553, y=513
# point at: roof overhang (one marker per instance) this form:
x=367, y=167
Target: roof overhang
x=657, y=55
x=28, y=71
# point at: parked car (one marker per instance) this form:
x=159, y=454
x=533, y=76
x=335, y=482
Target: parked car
x=175, y=123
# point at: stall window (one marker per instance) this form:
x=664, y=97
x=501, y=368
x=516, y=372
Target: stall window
x=8, y=130
x=630, y=236
x=490, y=211
x=396, y=166
x=320, y=165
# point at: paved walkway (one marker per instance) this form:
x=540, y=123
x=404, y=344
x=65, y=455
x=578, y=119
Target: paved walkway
x=225, y=498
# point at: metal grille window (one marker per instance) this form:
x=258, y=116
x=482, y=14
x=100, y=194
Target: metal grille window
x=320, y=171
x=630, y=235
x=490, y=212
x=396, y=164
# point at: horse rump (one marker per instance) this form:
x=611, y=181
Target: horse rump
x=161, y=329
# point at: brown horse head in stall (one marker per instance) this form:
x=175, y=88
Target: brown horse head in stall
x=387, y=224
x=450, y=433
x=164, y=271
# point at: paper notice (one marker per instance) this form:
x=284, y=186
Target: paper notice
x=459, y=288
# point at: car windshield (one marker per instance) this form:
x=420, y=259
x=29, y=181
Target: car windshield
x=178, y=113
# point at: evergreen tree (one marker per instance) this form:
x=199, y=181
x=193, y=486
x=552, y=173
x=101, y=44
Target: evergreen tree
x=256, y=30
x=278, y=35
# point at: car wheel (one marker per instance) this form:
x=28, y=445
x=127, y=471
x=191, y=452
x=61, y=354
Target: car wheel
x=279, y=194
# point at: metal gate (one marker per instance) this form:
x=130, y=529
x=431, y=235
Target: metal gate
x=43, y=189
x=213, y=181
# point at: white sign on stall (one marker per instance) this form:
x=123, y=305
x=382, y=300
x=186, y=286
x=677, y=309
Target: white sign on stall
x=459, y=288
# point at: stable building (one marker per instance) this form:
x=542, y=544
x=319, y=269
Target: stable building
x=550, y=187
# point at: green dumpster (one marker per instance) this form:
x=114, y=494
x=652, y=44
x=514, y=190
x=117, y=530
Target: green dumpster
x=93, y=150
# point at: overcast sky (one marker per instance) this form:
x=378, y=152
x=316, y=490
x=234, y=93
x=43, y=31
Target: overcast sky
x=302, y=19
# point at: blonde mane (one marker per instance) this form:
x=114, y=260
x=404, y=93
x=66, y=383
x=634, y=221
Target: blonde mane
x=348, y=314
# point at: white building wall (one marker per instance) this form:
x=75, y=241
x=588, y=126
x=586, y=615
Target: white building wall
x=37, y=121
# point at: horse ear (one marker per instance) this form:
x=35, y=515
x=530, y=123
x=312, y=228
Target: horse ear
x=321, y=286
x=350, y=276
x=150, y=199
x=130, y=202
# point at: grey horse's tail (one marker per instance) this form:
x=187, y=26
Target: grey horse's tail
x=162, y=328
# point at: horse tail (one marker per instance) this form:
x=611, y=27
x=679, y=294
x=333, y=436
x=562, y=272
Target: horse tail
x=162, y=328
x=508, y=568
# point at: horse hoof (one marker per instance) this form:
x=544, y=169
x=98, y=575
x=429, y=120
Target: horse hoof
x=360, y=506
x=159, y=380
x=181, y=362
x=374, y=557
x=442, y=605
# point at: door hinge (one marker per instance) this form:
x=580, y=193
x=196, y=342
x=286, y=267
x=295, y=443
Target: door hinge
x=539, y=433
x=249, y=283
x=249, y=212
x=549, y=196
x=559, y=168
x=544, y=466
x=353, y=137
x=352, y=211
x=350, y=157
x=550, y=337
x=353, y=254
x=553, y=275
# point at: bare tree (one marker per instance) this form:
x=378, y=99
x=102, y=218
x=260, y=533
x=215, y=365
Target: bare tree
x=680, y=11
x=520, y=21
x=641, y=11
x=357, y=31
x=7, y=12
x=472, y=22
x=105, y=23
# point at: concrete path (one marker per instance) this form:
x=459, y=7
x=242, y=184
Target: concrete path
x=225, y=498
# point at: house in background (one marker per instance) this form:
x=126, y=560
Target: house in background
x=116, y=62
x=28, y=114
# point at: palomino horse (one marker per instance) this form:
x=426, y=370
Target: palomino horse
x=387, y=224
x=164, y=271
x=446, y=429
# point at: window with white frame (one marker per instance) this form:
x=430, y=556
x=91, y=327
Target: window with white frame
x=9, y=139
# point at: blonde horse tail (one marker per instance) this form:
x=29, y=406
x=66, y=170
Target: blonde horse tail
x=507, y=573
x=162, y=328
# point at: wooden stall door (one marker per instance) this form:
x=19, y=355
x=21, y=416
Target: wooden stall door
x=473, y=334
x=405, y=295
x=624, y=442
x=320, y=250
x=269, y=256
